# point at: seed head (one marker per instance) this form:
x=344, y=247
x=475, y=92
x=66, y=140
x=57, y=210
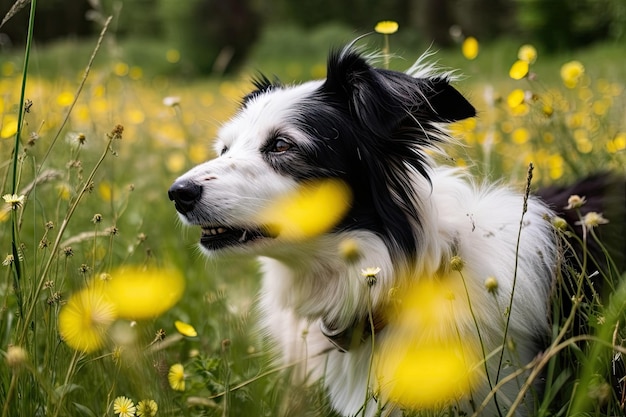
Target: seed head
x=457, y=263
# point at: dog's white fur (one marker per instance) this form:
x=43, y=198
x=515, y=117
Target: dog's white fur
x=307, y=281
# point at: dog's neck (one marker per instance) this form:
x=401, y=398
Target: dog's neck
x=316, y=282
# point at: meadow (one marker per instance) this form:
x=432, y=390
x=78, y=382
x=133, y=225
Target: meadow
x=85, y=206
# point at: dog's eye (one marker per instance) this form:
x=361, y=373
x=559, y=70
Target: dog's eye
x=224, y=150
x=280, y=145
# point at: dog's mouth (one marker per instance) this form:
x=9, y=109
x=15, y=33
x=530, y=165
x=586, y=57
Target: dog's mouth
x=220, y=237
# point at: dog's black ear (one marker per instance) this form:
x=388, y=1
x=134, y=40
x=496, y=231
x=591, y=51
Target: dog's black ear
x=382, y=99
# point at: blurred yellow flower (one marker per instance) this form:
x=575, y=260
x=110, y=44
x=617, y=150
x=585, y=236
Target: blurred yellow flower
x=176, y=377
x=124, y=407
x=65, y=99
x=519, y=70
x=9, y=127
x=520, y=136
x=85, y=319
x=185, y=329
x=429, y=359
x=592, y=219
x=172, y=56
x=386, y=27
x=527, y=53
x=515, y=98
x=120, y=69
x=427, y=375
x=140, y=293
x=469, y=48
x=147, y=408
x=312, y=209
x=571, y=72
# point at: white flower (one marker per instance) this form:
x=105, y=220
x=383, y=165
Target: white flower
x=14, y=200
x=171, y=101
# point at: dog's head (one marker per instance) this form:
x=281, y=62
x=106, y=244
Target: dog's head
x=366, y=126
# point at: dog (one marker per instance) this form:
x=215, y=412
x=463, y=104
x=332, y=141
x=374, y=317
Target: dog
x=378, y=132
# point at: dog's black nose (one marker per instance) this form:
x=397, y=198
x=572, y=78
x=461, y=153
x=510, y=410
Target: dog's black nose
x=185, y=194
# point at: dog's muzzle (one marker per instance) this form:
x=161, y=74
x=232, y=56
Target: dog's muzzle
x=185, y=194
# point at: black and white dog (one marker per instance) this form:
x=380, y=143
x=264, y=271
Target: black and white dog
x=376, y=130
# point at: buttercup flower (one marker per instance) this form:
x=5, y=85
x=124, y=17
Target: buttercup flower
x=147, y=408
x=124, y=407
x=386, y=27
x=176, y=377
x=470, y=48
x=185, y=329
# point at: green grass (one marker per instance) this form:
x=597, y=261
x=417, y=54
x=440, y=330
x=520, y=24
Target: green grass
x=228, y=365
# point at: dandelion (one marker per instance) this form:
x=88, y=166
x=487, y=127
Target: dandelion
x=147, y=408
x=519, y=70
x=14, y=200
x=386, y=27
x=370, y=274
x=124, y=406
x=139, y=293
x=571, y=73
x=592, y=219
x=310, y=210
x=176, y=377
x=575, y=201
x=470, y=47
x=527, y=53
x=85, y=319
x=185, y=329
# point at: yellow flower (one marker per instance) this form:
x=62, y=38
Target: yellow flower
x=14, y=200
x=515, y=98
x=176, y=377
x=592, y=219
x=124, y=407
x=430, y=357
x=386, y=27
x=575, y=201
x=185, y=329
x=139, y=293
x=519, y=70
x=491, y=284
x=310, y=210
x=15, y=357
x=147, y=408
x=8, y=127
x=571, y=72
x=520, y=136
x=85, y=319
x=427, y=375
x=370, y=271
x=470, y=48
x=527, y=53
